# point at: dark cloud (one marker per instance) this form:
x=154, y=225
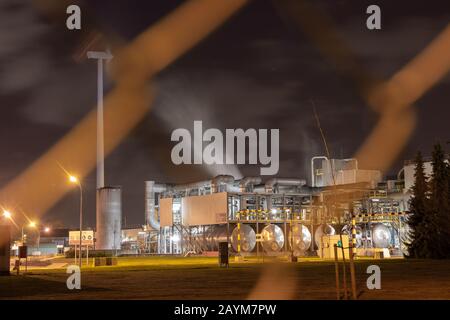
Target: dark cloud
x=257, y=71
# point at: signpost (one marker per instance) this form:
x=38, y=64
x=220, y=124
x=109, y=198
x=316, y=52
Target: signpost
x=87, y=239
x=23, y=254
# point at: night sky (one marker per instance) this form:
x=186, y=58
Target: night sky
x=256, y=71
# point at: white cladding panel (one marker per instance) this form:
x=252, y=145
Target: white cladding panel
x=409, y=171
x=356, y=176
x=204, y=210
x=165, y=212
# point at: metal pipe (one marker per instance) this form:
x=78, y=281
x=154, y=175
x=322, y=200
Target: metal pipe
x=212, y=183
x=272, y=183
x=400, y=173
x=248, y=181
x=193, y=185
x=219, y=180
x=150, y=189
x=313, y=179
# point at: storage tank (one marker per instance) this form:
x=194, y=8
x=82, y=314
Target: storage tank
x=323, y=230
x=272, y=238
x=109, y=218
x=210, y=239
x=381, y=236
x=207, y=238
x=300, y=239
x=248, y=238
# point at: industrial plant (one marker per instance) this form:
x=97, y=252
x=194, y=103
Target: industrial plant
x=277, y=217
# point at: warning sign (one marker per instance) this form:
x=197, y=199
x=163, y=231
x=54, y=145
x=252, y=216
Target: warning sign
x=87, y=238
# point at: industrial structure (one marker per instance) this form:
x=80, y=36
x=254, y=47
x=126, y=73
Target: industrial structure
x=281, y=216
x=108, y=198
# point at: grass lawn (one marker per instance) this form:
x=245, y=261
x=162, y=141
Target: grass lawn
x=201, y=278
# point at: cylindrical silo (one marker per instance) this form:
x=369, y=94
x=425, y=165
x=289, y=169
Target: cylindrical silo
x=109, y=218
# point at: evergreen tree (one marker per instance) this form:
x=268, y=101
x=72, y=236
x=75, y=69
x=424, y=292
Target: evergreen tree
x=440, y=203
x=419, y=243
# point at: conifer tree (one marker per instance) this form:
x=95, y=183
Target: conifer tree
x=440, y=203
x=419, y=242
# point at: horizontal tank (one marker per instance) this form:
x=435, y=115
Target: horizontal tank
x=248, y=238
x=381, y=235
x=323, y=230
x=300, y=239
x=208, y=238
x=272, y=238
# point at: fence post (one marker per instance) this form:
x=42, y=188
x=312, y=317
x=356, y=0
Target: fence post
x=336, y=269
x=352, y=271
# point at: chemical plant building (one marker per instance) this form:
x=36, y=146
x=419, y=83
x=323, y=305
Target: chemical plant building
x=271, y=217
x=279, y=216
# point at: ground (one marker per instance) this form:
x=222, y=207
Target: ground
x=201, y=278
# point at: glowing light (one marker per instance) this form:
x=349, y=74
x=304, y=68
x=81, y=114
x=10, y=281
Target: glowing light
x=274, y=211
x=7, y=214
x=47, y=230
x=32, y=224
x=73, y=179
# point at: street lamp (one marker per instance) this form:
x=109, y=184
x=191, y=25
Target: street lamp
x=7, y=214
x=75, y=180
x=32, y=224
x=46, y=230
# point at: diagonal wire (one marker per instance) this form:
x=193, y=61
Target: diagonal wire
x=126, y=105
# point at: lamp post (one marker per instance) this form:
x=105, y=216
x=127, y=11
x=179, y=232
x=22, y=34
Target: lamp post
x=46, y=230
x=75, y=180
x=32, y=224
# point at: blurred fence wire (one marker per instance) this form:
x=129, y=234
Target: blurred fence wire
x=160, y=45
